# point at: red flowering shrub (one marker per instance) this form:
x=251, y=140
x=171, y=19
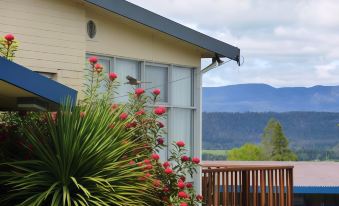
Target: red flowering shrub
x=8, y=46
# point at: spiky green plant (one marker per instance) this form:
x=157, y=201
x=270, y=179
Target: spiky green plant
x=82, y=161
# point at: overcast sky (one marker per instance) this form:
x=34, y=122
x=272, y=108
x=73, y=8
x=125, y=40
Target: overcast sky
x=284, y=42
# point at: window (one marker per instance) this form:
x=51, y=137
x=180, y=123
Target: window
x=123, y=68
x=177, y=93
x=181, y=86
x=156, y=76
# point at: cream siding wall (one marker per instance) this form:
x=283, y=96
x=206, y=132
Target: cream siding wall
x=118, y=36
x=51, y=36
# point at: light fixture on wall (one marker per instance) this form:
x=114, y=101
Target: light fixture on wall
x=91, y=29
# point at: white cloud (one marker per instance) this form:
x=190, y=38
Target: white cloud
x=285, y=43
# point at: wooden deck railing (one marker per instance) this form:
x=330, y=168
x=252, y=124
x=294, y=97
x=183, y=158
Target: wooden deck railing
x=247, y=185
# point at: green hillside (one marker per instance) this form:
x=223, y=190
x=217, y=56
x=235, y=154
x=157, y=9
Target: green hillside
x=312, y=135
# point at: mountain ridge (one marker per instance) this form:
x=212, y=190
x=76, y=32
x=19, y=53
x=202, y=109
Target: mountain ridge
x=265, y=98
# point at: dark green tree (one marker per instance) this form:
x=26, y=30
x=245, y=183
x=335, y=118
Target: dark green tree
x=274, y=143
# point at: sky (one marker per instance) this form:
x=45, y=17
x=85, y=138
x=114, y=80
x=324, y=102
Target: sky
x=284, y=43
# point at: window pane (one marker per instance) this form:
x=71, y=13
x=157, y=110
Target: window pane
x=182, y=127
x=157, y=77
x=106, y=65
x=181, y=86
x=123, y=68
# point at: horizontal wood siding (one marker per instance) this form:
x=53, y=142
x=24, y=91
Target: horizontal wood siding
x=51, y=34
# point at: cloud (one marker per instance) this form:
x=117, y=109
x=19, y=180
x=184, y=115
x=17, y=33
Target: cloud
x=284, y=43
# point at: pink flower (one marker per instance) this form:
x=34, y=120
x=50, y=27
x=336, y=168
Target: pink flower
x=98, y=68
x=130, y=125
x=123, y=116
x=195, y=160
x=166, y=164
x=156, y=92
x=139, y=91
x=182, y=194
x=160, y=110
x=132, y=162
x=93, y=60
x=185, y=158
x=181, y=184
x=183, y=204
x=183, y=178
x=165, y=189
x=168, y=171
x=180, y=143
x=160, y=141
x=112, y=76
x=155, y=156
x=54, y=116
x=199, y=197
x=9, y=37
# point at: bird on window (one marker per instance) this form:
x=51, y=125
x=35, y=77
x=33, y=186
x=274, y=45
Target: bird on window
x=133, y=81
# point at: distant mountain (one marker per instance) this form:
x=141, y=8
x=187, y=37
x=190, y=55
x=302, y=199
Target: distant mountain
x=265, y=98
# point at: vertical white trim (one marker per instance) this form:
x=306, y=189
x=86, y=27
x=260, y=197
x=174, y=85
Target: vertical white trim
x=198, y=124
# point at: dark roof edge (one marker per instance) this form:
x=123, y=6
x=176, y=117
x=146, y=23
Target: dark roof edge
x=35, y=83
x=162, y=24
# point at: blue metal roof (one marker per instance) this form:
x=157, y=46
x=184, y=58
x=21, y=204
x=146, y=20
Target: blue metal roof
x=162, y=24
x=315, y=190
x=34, y=83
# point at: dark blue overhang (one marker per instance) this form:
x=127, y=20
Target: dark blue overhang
x=162, y=24
x=20, y=83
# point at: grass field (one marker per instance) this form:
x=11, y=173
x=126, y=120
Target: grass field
x=215, y=152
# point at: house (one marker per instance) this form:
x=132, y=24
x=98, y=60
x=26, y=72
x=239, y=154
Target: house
x=56, y=37
x=314, y=183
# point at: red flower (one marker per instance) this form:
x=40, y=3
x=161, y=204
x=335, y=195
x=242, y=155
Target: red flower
x=183, y=204
x=93, y=60
x=140, y=112
x=199, y=197
x=166, y=164
x=165, y=189
x=111, y=126
x=130, y=125
x=160, y=141
x=160, y=125
x=180, y=143
x=112, y=76
x=168, y=171
x=156, y=92
x=160, y=110
x=147, y=161
x=98, y=68
x=114, y=107
x=189, y=185
x=183, y=178
x=9, y=37
x=156, y=183
x=139, y=91
x=185, y=158
x=149, y=167
x=181, y=184
x=123, y=116
x=182, y=194
x=195, y=160
x=147, y=175
x=155, y=156
x=82, y=114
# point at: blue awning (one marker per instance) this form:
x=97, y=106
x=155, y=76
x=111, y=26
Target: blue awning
x=20, y=84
